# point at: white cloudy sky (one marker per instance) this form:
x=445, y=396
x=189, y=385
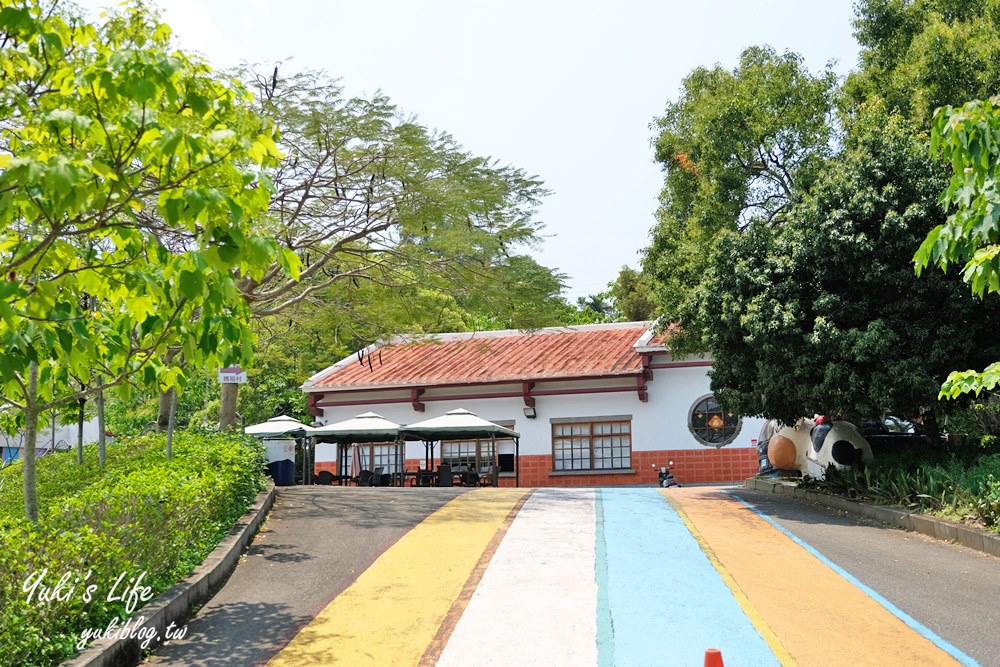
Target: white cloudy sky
x=565, y=89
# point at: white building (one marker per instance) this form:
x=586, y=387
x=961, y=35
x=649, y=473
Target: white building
x=594, y=405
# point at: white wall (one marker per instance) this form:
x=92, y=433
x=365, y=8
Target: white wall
x=660, y=423
x=279, y=449
x=65, y=436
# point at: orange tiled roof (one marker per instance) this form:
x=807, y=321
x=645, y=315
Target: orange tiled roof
x=497, y=356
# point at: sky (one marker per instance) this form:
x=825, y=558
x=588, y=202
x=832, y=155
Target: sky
x=564, y=89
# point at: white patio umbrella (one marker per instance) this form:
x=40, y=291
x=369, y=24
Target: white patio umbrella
x=458, y=422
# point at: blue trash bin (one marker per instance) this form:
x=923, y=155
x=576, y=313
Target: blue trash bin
x=282, y=472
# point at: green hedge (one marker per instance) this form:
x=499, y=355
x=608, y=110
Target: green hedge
x=139, y=515
x=959, y=484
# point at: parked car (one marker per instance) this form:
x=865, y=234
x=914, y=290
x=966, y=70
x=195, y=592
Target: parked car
x=892, y=432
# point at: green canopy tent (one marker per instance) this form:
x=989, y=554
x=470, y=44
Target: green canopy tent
x=459, y=424
x=364, y=428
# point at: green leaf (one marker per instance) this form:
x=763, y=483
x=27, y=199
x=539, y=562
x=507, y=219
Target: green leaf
x=229, y=254
x=62, y=177
x=172, y=210
x=290, y=262
x=191, y=285
x=16, y=21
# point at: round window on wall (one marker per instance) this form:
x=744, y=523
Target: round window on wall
x=711, y=425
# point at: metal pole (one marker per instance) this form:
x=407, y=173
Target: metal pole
x=495, y=466
x=517, y=462
x=399, y=462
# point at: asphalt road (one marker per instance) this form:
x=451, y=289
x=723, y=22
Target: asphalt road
x=315, y=542
x=953, y=590
x=318, y=540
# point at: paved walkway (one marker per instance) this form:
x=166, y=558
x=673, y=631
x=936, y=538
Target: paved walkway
x=315, y=543
x=623, y=576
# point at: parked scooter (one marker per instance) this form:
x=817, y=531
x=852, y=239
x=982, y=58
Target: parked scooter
x=666, y=478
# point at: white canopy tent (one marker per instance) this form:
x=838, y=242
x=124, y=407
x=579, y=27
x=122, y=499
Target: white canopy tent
x=284, y=428
x=280, y=425
x=368, y=426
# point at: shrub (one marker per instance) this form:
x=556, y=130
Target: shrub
x=140, y=515
x=963, y=483
x=58, y=474
x=987, y=501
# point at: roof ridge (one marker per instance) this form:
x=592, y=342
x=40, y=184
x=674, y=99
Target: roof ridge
x=510, y=333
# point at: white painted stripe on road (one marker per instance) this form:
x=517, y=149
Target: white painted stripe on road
x=537, y=601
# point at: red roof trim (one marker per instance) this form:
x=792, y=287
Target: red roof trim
x=453, y=385
x=505, y=394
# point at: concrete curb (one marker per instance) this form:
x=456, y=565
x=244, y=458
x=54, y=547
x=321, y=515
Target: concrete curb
x=174, y=605
x=941, y=529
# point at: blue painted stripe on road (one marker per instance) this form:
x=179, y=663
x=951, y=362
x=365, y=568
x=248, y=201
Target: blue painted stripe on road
x=605, y=630
x=916, y=625
x=661, y=600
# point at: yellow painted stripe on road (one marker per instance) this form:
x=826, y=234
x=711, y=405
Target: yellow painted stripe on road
x=782, y=654
x=392, y=612
x=821, y=618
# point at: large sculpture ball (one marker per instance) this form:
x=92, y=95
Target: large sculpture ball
x=781, y=452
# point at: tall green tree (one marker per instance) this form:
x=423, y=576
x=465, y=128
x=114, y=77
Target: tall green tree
x=128, y=188
x=633, y=295
x=824, y=314
x=917, y=55
x=736, y=146
x=805, y=303
x=365, y=195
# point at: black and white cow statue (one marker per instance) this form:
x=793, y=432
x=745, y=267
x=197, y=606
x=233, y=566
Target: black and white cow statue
x=812, y=445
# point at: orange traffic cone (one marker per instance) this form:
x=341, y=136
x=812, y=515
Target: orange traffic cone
x=713, y=658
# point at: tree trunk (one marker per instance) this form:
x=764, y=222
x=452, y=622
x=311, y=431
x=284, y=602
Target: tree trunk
x=163, y=411
x=30, y=440
x=163, y=407
x=171, y=412
x=79, y=432
x=102, y=454
x=227, y=407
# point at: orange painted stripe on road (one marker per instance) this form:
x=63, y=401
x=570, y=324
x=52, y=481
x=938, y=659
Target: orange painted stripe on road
x=392, y=612
x=820, y=617
x=765, y=631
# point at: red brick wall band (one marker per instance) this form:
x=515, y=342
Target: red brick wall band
x=691, y=466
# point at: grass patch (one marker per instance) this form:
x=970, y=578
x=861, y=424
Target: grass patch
x=140, y=515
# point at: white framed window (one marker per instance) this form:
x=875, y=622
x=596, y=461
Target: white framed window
x=378, y=455
x=474, y=454
x=598, y=443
